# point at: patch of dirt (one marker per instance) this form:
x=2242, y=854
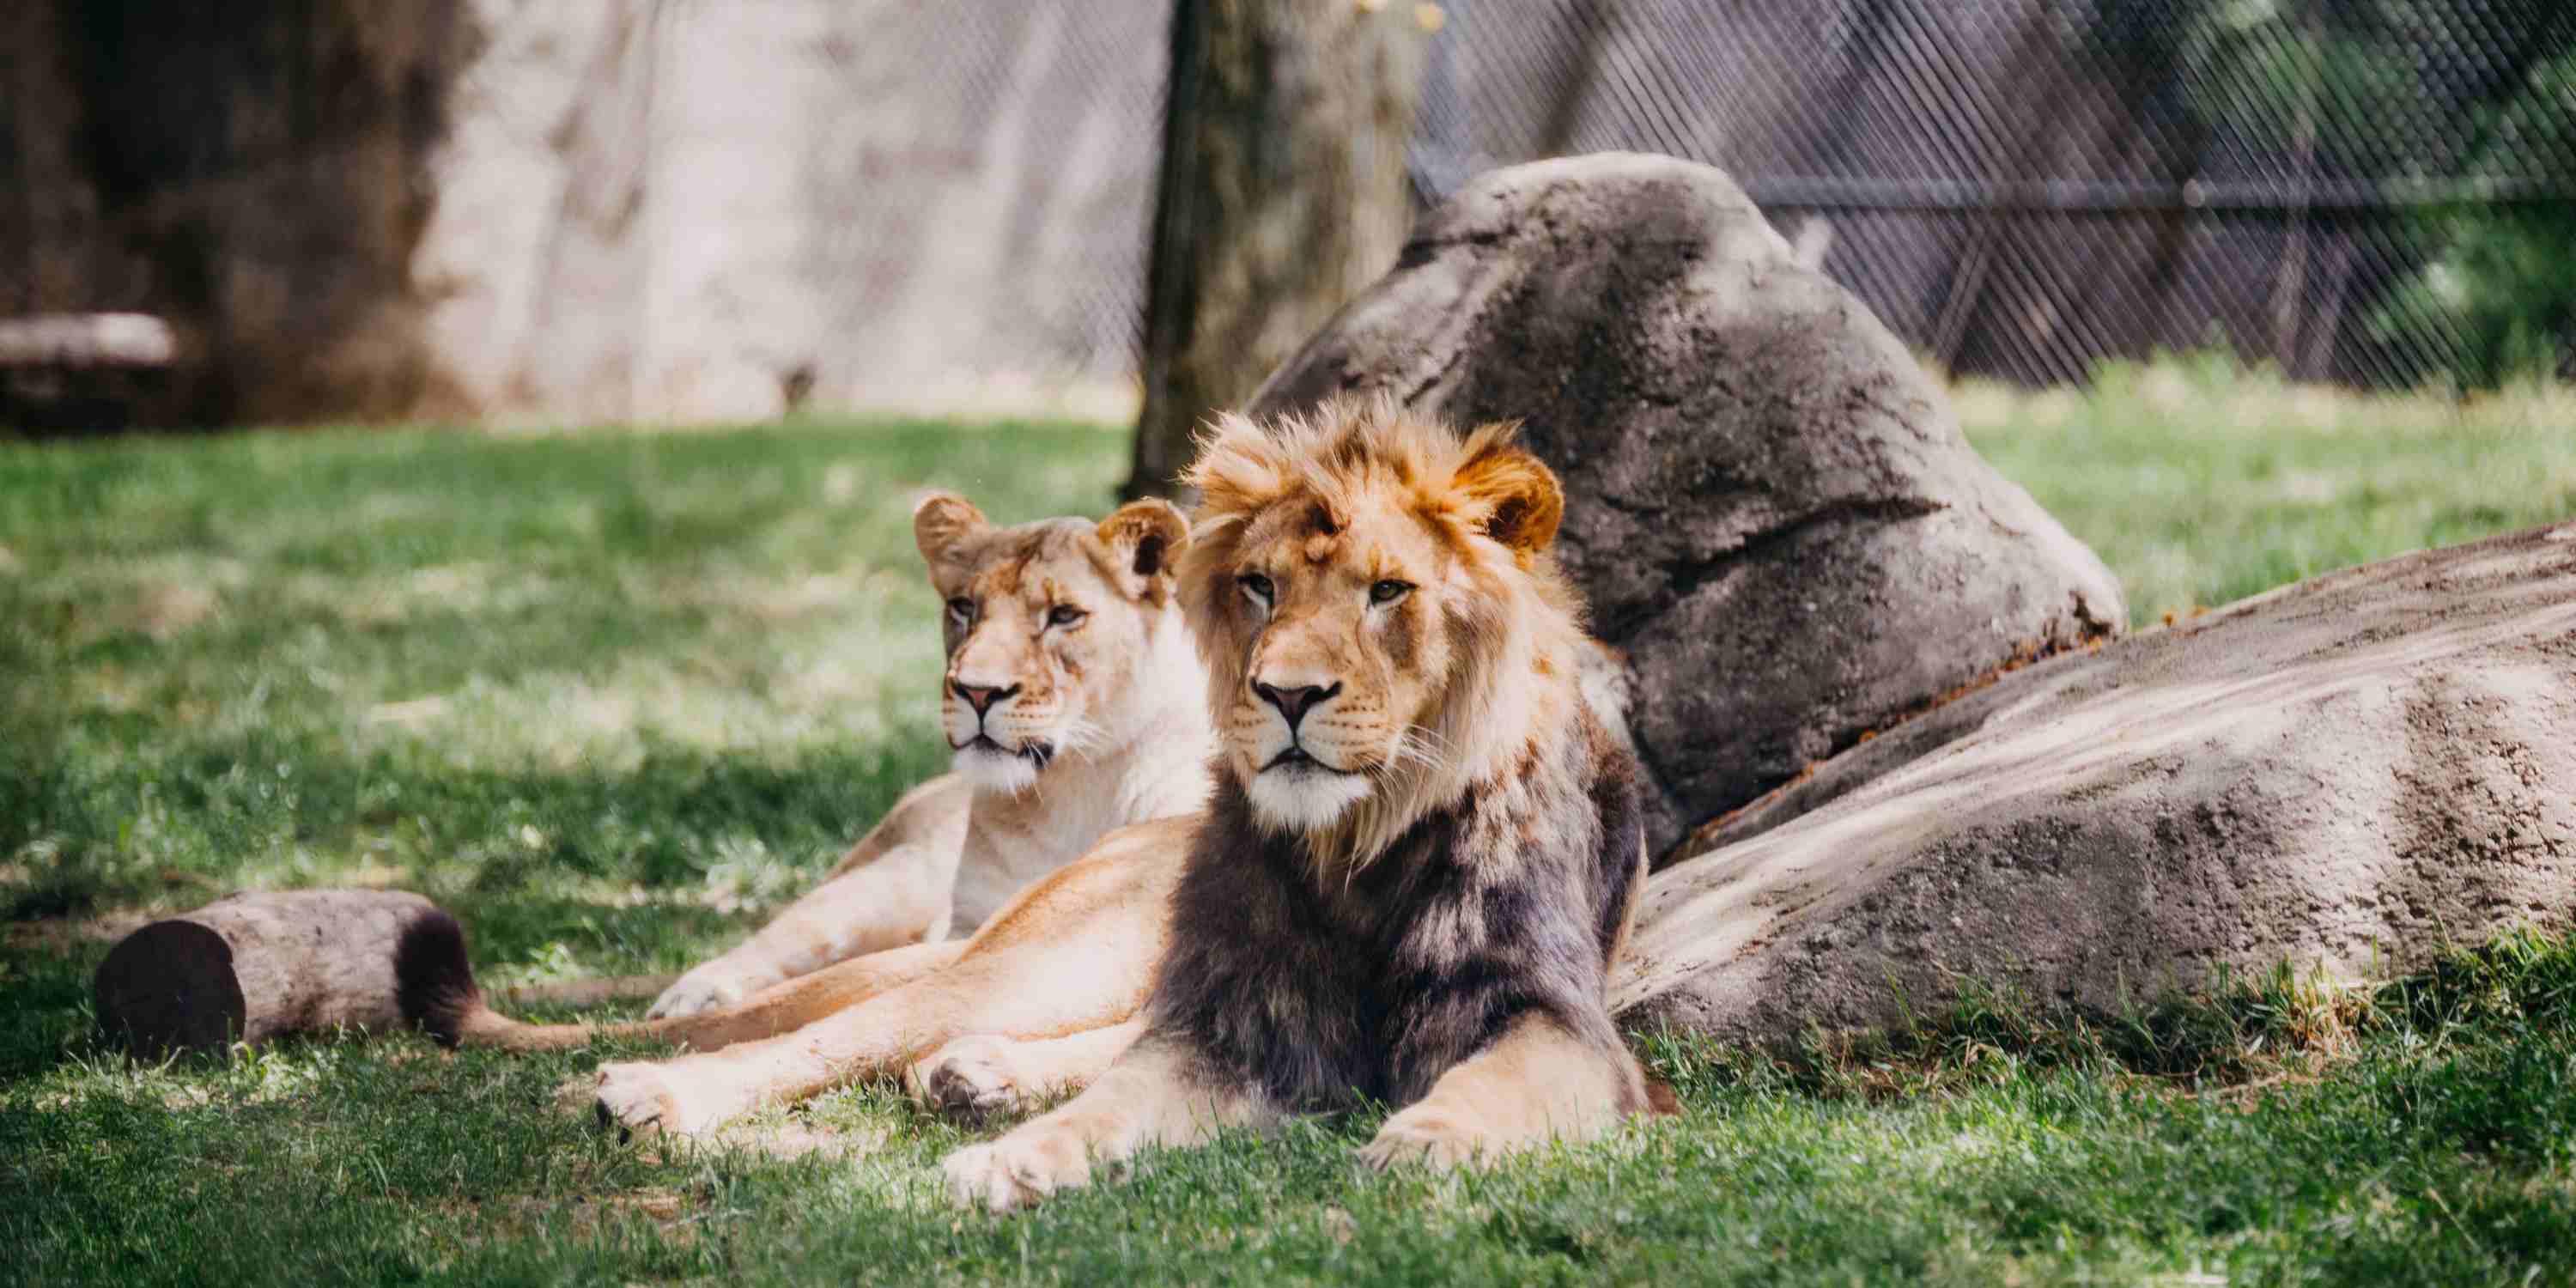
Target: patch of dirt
x=797, y=1138
x=169, y=609
x=62, y=934
x=578, y=1215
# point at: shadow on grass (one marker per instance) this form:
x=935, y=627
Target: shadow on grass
x=96, y=829
x=2245, y=1032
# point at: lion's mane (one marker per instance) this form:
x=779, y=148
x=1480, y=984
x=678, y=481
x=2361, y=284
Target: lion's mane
x=1367, y=957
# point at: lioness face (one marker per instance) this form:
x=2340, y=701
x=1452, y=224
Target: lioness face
x=1047, y=626
x=1347, y=616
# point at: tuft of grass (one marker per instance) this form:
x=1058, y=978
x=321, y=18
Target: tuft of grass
x=610, y=698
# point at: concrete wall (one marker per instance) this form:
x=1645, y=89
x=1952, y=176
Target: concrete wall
x=698, y=211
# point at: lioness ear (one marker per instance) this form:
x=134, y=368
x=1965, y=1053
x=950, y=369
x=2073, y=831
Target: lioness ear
x=1145, y=538
x=1517, y=492
x=940, y=522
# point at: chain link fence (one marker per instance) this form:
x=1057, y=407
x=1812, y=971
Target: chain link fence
x=2025, y=188
x=715, y=209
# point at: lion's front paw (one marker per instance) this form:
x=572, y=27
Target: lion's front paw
x=640, y=1098
x=711, y=987
x=973, y=1077
x=1018, y=1170
x=1424, y=1134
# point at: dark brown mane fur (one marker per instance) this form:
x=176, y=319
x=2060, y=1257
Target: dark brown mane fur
x=1318, y=967
x=1510, y=901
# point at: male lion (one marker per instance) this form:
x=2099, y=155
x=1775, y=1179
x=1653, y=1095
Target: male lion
x=1073, y=702
x=1424, y=848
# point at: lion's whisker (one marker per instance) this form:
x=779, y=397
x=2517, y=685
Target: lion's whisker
x=1082, y=737
x=1412, y=747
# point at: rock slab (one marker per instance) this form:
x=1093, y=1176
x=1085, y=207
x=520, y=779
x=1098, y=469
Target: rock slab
x=1770, y=506
x=2347, y=774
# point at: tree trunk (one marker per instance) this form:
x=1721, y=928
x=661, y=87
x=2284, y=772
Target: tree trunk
x=1282, y=194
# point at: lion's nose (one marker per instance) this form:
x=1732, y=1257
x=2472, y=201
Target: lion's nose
x=981, y=698
x=1296, y=701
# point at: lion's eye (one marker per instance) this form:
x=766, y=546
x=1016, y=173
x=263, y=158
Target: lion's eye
x=1257, y=586
x=962, y=608
x=1065, y=615
x=1389, y=591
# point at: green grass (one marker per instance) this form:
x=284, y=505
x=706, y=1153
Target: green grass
x=611, y=698
x=2200, y=483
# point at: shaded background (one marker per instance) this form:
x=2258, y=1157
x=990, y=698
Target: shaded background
x=679, y=210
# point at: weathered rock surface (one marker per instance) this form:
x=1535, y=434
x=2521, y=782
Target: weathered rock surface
x=1771, y=506
x=2347, y=773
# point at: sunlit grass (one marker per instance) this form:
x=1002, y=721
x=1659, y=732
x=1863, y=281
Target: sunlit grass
x=612, y=697
x=2200, y=483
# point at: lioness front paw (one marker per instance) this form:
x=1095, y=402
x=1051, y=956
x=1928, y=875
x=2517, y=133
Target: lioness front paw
x=1435, y=1137
x=711, y=987
x=640, y=1098
x=1017, y=1171
x=972, y=1077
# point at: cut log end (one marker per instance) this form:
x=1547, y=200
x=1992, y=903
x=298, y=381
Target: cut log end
x=169, y=989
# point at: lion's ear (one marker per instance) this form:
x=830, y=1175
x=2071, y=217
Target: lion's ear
x=1515, y=492
x=940, y=522
x=1145, y=538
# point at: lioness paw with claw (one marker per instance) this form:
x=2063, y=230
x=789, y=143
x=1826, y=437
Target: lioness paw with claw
x=640, y=1098
x=710, y=987
x=1016, y=1171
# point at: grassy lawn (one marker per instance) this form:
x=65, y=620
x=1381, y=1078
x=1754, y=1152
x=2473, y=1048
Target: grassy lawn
x=611, y=698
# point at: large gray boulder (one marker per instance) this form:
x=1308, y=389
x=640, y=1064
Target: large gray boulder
x=1770, y=506
x=2347, y=774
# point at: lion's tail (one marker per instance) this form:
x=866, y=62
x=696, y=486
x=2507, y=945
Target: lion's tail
x=434, y=986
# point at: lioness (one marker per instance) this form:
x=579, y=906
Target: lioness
x=1073, y=702
x=1424, y=849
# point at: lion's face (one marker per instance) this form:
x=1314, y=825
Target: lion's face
x=1048, y=626
x=1359, y=623
x=1345, y=622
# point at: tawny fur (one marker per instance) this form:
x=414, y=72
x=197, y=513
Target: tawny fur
x=1102, y=727
x=1047, y=994
x=1424, y=849
x=1071, y=955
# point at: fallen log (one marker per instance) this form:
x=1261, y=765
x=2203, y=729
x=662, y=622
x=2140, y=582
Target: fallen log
x=88, y=340
x=251, y=968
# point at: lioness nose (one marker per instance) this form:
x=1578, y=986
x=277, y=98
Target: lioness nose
x=982, y=699
x=1295, y=702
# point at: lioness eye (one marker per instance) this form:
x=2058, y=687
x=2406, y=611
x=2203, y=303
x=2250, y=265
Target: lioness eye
x=962, y=608
x=1256, y=585
x=1065, y=615
x=1388, y=591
